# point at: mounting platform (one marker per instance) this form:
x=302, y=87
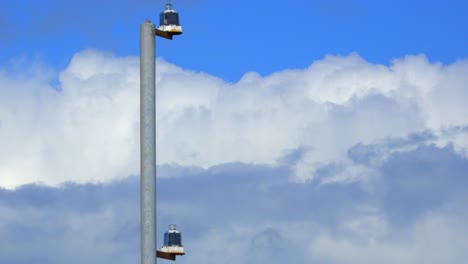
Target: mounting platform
x=169, y=256
x=163, y=34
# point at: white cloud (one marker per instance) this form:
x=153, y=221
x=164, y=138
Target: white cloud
x=88, y=130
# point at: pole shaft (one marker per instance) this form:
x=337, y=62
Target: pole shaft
x=148, y=142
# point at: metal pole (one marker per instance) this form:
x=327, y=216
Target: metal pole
x=148, y=142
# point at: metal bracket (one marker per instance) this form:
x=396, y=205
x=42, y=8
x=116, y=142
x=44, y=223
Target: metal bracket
x=169, y=256
x=163, y=34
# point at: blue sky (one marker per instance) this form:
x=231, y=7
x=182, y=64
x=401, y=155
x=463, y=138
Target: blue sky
x=250, y=35
x=309, y=131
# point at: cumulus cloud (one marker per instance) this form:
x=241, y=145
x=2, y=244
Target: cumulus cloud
x=413, y=211
x=86, y=129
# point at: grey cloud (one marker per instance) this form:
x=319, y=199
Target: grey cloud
x=294, y=155
x=423, y=180
x=369, y=154
x=415, y=172
x=269, y=246
x=239, y=213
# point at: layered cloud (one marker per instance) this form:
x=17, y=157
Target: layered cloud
x=413, y=211
x=86, y=128
x=342, y=162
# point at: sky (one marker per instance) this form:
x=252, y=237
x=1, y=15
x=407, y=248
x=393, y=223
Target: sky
x=336, y=127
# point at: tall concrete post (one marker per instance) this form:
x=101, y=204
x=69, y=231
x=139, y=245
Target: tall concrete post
x=148, y=142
